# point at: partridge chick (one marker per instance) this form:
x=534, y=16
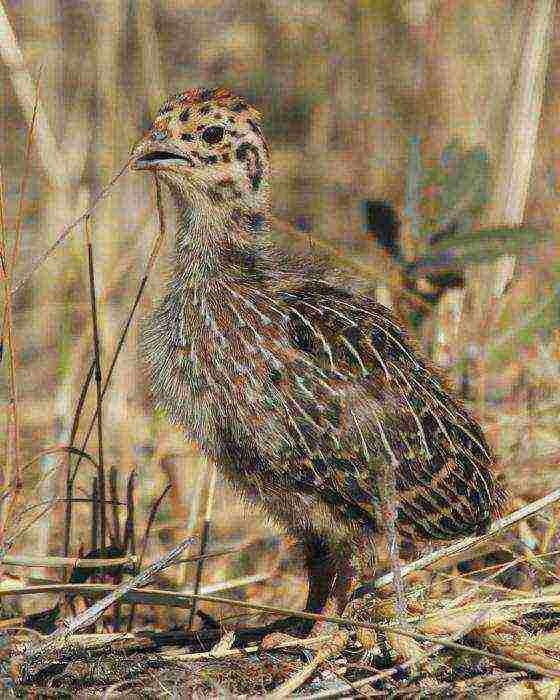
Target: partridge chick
x=301, y=388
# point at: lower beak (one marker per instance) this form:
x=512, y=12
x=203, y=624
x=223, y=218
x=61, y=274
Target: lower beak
x=147, y=155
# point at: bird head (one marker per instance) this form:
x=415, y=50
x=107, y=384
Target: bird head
x=208, y=144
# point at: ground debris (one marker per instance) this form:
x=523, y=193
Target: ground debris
x=75, y=669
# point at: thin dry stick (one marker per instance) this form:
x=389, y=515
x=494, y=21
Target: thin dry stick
x=70, y=562
x=129, y=535
x=117, y=537
x=13, y=477
x=205, y=538
x=240, y=582
x=8, y=312
x=68, y=229
x=94, y=513
x=98, y=381
x=113, y=490
x=23, y=189
x=470, y=542
x=220, y=552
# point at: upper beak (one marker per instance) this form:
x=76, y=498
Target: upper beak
x=149, y=154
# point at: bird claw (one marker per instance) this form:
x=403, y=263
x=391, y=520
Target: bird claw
x=279, y=639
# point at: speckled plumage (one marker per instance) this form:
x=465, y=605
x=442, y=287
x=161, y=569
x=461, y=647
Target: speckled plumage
x=298, y=385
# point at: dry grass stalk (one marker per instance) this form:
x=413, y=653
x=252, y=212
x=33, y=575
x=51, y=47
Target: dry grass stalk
x=67, y=230
x=69, y=562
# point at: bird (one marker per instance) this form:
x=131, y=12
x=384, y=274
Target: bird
x=287, y=374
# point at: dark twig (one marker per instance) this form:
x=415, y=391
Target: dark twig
x=150, y=264
x=129, y=539
x=151, y=518
x=115, y=511
x=205, y=539
x=70, y=476
x=98, y=382
x=94, y=513
x=129, y=535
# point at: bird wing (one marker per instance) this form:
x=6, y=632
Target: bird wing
x=360, y=397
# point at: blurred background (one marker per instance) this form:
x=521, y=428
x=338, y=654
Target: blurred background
x=364, y=103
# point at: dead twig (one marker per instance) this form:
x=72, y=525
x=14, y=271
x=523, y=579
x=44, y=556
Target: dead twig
x=70, y=562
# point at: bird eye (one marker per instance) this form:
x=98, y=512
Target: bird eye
x=213, y=134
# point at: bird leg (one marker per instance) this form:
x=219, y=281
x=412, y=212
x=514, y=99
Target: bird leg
x=373, y=605
x=330, y=581
x=321, y=572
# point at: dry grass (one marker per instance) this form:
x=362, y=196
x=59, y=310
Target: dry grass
x=360, y=100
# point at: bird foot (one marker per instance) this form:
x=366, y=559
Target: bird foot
x=276, y=640
x=321, y=631
x=369, y=606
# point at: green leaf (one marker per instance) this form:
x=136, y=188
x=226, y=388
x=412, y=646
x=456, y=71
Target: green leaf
x=457, y=188
x=541, y=319
x=466, y=188
x=461, y=248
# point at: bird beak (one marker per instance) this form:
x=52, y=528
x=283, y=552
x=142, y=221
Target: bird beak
x=151, y=154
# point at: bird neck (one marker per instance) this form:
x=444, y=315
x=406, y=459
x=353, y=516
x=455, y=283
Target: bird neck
x=209, y=239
